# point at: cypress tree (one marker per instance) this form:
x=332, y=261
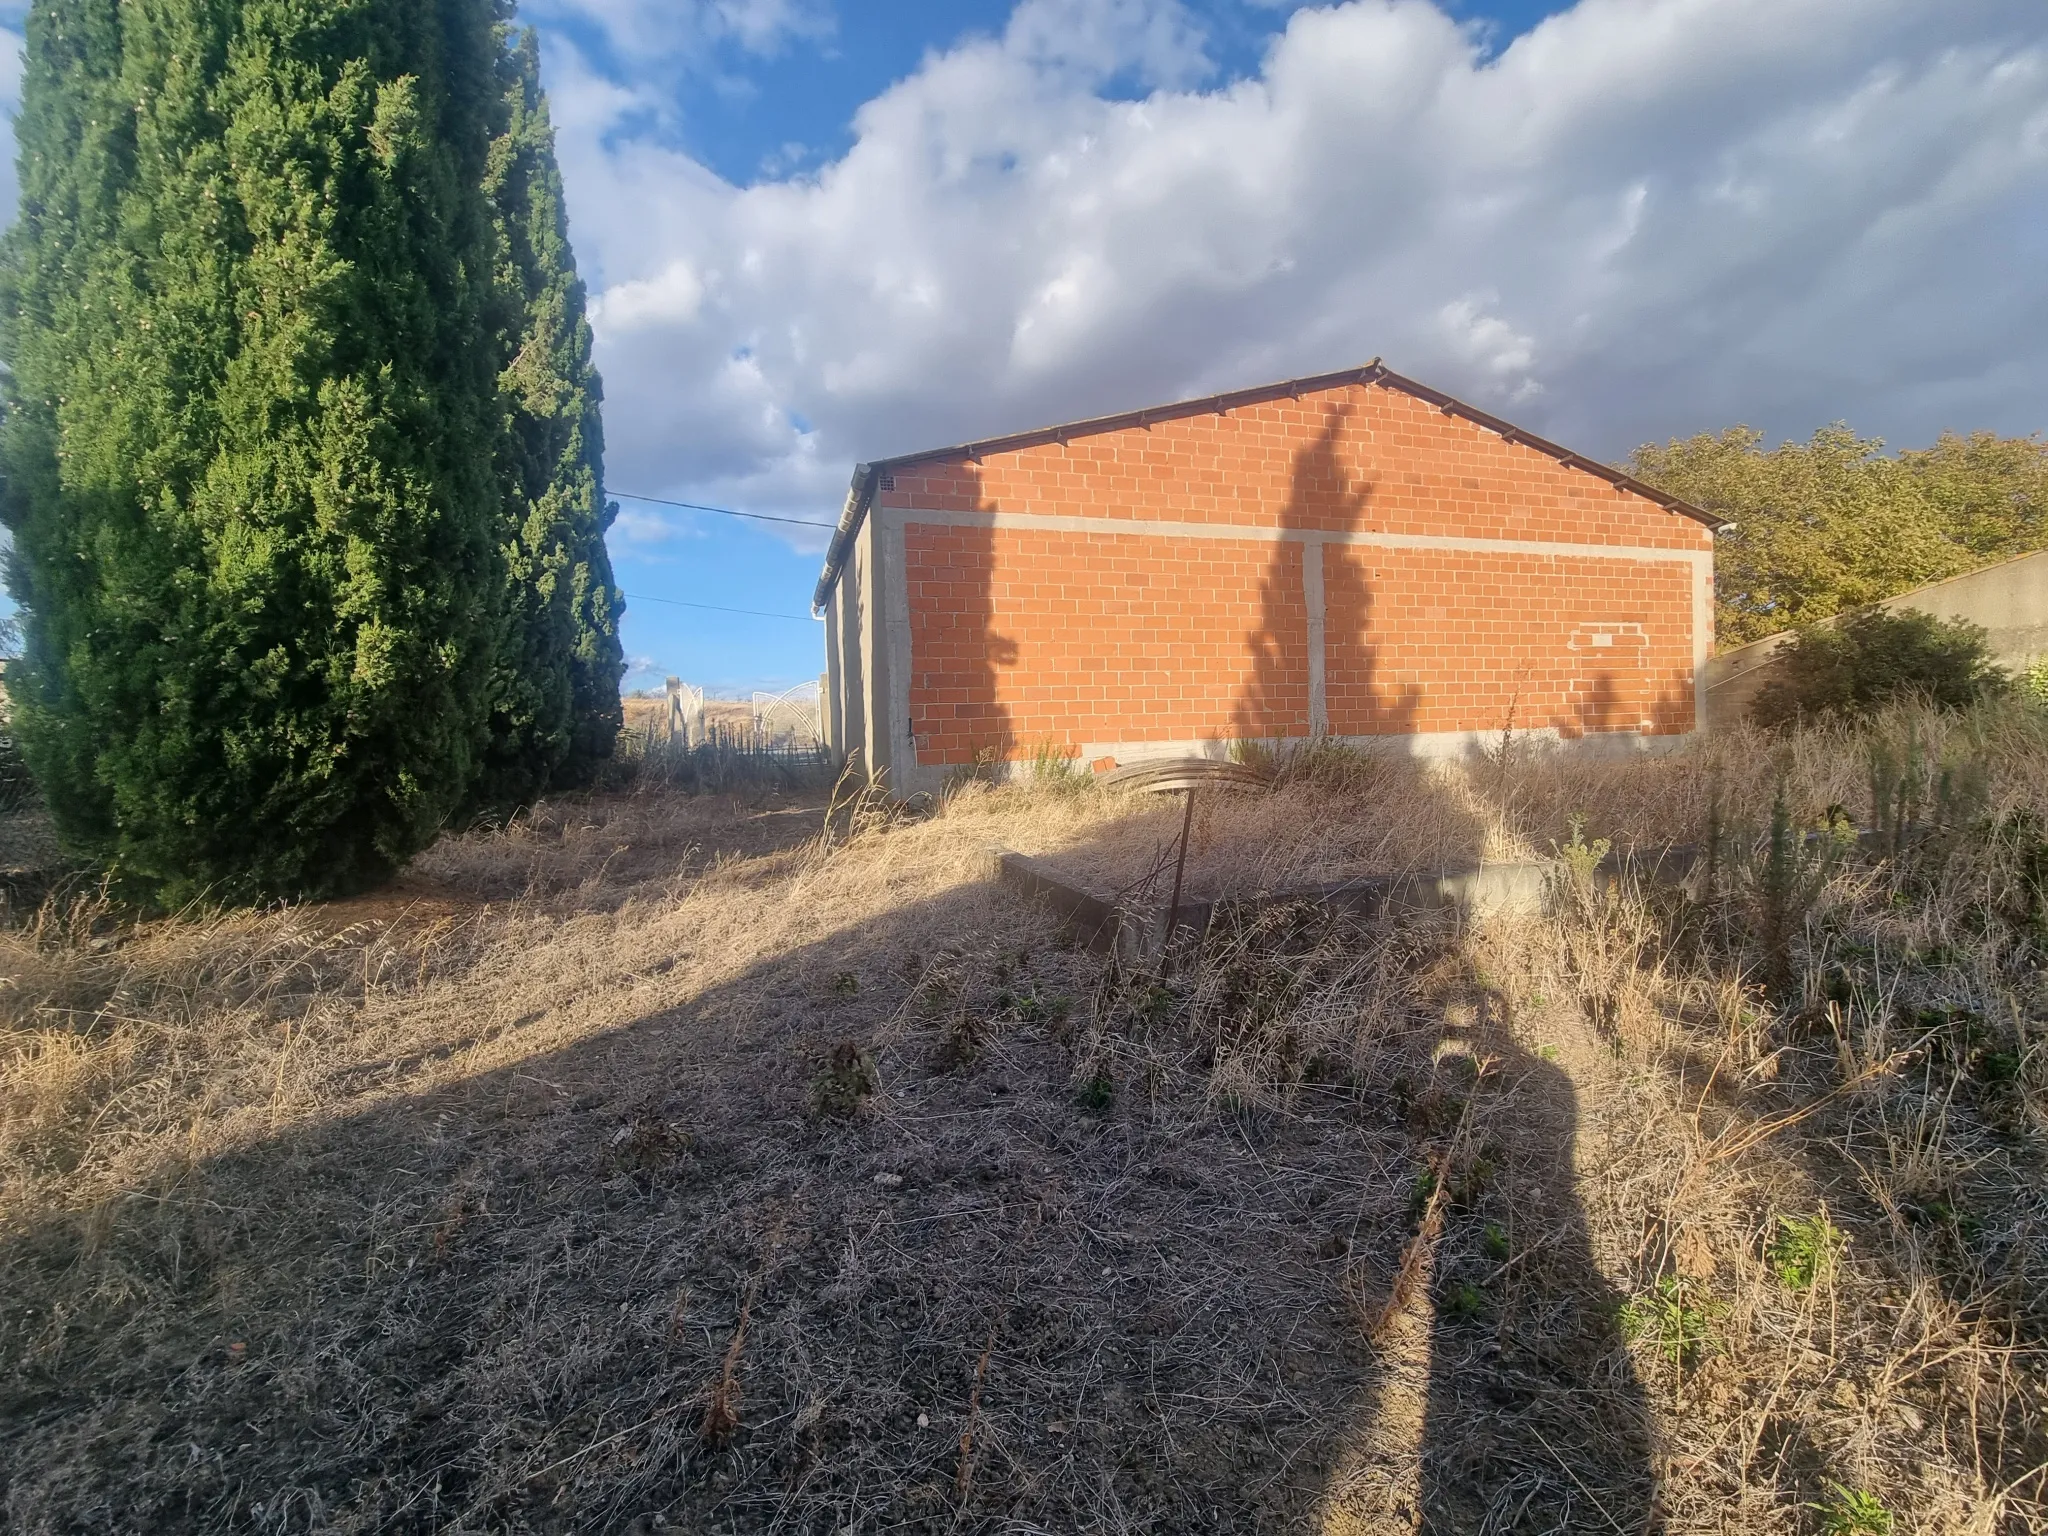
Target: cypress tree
x=251, y=431
x=555, y=692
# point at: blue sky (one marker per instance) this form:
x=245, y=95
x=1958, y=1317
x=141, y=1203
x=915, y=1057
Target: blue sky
x=821, y=231
x=753, y=115
x=750, y=114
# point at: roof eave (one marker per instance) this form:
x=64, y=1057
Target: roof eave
x=861, y=493
x=858, y=494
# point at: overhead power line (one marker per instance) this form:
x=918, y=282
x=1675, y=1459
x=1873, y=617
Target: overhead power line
x=698, y=506
x=677, y=602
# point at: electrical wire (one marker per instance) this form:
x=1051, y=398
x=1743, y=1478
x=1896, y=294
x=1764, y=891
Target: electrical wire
x=698, y=506
x=677, y=602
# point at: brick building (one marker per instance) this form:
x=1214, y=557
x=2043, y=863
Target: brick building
x=1355, y=556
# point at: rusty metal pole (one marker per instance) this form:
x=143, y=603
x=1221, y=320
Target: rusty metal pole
x=1180, y=865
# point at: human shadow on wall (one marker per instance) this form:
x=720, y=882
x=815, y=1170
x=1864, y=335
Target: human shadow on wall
x=1626, y=704
x=1618, y=691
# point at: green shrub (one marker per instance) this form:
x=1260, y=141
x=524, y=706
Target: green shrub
x=1852, y=1512
x=555, y=708
x=1674, y=1318
x=848, y=1078
x=300, y=447
x=1874, y=657
x=1802, y=1252
x=1096, y=1091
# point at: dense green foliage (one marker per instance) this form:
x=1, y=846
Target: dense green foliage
x=267, y=349
x=1835, y=523
x=555, y=693
x=1873, y=658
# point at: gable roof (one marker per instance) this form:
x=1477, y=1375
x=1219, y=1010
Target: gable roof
x=861, y=493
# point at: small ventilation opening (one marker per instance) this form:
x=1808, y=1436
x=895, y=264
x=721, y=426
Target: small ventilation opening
x=888, y=482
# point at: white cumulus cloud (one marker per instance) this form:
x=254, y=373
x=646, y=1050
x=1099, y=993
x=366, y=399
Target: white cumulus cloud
x=1643, y=217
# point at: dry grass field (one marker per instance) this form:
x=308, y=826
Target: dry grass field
x=714, y=1164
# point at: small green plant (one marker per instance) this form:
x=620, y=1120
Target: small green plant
x=1096, y=1091
x=1852, y=1512
x=2023, y=836
x=1786, y=883
x=1941, y=1213
x=1802, y=1252
x=1462, y=1302
x=1547, y=1052
x=849, y=1077
x=1156, y=1003
x=1673, y=1318
x=1581, y=859
x=1419, y=1192
x=1472, y=1181
x=845, y=984
x=1998, y=1067
x=960, y=1045
x=1494, y=1242
x=1033, y=1009
x=2034, y=680
x=1054, y=766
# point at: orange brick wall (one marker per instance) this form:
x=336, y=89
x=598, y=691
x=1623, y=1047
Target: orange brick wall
x=1443, y=640
x=1364, y=458
x=1021, y=639
x=1024, y=637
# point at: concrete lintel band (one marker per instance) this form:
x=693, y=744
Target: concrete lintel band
x=1312, y=590
x=1702, y=638
x=1702, y=560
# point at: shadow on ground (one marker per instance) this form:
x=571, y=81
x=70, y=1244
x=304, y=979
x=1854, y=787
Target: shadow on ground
x=934, y=1225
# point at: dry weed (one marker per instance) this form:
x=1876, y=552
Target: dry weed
x=501, y=1200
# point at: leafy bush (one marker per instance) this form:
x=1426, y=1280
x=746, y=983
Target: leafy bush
x=1874, y=657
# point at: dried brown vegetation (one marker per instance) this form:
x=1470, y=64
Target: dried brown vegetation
x=660, y=1160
